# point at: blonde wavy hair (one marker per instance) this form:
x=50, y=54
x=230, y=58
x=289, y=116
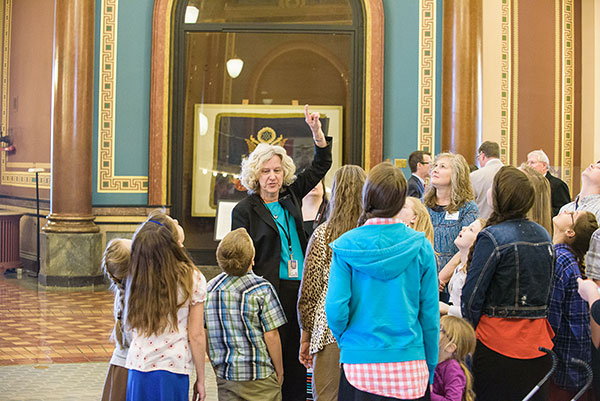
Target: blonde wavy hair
x=345, y=206
x=422, y=221
x=115, y=265
x=460, y=333
x=252, y=164
x=161, y=276
x=541, y=211
x=461, y=191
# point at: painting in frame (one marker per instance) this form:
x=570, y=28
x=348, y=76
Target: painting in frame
x=224, y=134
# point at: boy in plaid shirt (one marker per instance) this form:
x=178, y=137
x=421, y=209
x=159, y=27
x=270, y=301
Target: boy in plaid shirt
x=242, y=314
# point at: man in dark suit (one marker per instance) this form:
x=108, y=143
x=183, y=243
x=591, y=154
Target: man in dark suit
x=559, y=190
x=419, y=162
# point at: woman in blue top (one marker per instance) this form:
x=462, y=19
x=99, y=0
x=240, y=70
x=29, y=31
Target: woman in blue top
x=449, y=200
x=382, y=305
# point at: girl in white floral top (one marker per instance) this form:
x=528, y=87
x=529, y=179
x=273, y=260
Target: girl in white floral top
x=164, y=309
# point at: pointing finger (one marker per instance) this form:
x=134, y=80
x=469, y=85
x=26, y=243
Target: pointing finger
x=306, y=112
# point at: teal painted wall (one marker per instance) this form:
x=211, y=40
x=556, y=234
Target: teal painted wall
x=401, y=78
x=132, y=107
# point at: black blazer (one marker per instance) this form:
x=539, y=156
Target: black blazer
x=252, y=214
x=415, y=187
x=559, y=193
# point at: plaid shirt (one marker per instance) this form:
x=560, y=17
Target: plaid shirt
x=238, y=311
x=405, y=380
x=569, y=317
x=592, y=257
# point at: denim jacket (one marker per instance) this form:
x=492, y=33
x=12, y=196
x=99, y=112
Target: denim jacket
x=510, y=275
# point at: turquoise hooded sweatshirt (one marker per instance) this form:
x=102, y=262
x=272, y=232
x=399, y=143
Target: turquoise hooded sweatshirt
x=382, y=304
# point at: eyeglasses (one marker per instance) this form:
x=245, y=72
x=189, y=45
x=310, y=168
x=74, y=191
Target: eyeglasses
x=572, y=218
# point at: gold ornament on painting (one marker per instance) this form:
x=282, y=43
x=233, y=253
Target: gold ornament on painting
x=265, y=135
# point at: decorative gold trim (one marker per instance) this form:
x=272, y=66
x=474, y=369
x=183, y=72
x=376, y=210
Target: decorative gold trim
x=6, y=62
x=567, y=93
x=28, y=165
x=229, y=54
x=515, y=80
x=505, y=131
x=121, y=220
x=107, y=181
x=168, y=57
x=368, y=55
x=557, y=78
x=13, y=178
x=427, y=50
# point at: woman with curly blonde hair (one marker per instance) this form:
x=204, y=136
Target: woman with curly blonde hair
x=272, y=216
x=449, y=200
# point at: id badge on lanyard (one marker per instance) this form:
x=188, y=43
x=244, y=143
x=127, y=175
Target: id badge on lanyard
x=292, y=263
x=292, y=267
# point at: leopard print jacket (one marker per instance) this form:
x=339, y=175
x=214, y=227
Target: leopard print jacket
x=315, y=279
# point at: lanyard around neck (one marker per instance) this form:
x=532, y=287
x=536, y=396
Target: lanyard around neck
x=286, y=229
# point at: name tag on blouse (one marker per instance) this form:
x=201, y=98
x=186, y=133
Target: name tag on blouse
x=452, y=216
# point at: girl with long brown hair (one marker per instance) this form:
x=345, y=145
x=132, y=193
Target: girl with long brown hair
x=381, y=303
x=318, y=348
x=505, y=295
x=568, y=312
x=164, y=309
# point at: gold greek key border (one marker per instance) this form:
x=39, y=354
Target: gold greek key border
x=427, y=49
x=505, y=110
x=14, y=178
x=557, y=78
x=6, y=29
x=567, y=92
x=515, y=80
x=368, y=66
x=107, y=181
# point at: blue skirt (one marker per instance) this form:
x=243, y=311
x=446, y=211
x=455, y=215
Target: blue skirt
x=158, y=385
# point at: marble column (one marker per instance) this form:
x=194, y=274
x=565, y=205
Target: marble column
x=461, y=77
x=71, y=242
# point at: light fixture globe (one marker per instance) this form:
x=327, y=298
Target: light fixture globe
x=234, y=67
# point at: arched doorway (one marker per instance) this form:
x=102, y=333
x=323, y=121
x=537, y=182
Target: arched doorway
x=292, y=53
